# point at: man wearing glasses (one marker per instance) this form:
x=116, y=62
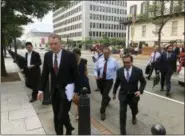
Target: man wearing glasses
x=127, y=78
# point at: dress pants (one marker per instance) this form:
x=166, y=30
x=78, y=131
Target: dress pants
x=166, y=76
x=105, y=87
x=132, y=101
x=61, y=109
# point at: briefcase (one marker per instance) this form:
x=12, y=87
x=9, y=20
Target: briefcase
x=147, y=70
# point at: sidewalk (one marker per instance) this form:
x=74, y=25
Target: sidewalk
x=18, y=116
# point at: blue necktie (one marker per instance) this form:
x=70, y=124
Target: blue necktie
x=128, y=75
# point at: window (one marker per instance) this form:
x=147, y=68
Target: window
x=90, y=16
x=143, y=30
x=174, y=28
x=90, y=25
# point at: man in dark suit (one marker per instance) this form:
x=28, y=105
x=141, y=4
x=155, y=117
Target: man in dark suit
x=129, y=94
x=167, y=61
x=62, y=65
x=32, y=70
x=176, y=50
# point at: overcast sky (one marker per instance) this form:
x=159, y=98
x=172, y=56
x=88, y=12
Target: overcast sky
x=46, y=24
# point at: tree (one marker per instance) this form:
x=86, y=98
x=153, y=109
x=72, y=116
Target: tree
x=105, y=40
x=21, y=12
x=159, y=14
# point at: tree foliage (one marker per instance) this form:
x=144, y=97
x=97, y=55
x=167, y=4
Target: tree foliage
x=21, y=12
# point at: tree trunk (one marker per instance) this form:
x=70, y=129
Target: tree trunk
x=159, y=39
x=3, y=68
x=5, y=52
x=15, y=46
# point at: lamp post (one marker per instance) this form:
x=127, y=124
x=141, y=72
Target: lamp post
x=127, y=22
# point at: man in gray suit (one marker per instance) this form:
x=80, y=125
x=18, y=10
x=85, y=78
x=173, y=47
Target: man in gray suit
x=129, y=94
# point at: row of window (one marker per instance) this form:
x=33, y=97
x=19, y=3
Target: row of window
x=68, y=21
x=108, y=34
x=76, y=10
x=71, y=35
x=107, y=26
x=73, y=3
x=116, y=3
x=174, y=29
x=72, y=27
x=105, y=18
x=108, y=9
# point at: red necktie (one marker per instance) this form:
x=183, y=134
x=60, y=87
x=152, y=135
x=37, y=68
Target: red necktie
x=105, y=70
x=56, y=65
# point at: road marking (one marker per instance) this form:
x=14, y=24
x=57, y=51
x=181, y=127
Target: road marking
x=166, y=98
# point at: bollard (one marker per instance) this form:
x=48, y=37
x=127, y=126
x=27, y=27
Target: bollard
x=84, y=121
x=158, y=129
x=47, y=93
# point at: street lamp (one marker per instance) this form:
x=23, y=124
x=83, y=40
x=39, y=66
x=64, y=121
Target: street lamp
x=127, y=22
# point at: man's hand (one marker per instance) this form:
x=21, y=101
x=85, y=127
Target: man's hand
x=40, y=95
x=114, y=96
x=137, y=93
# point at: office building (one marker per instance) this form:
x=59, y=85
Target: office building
x=90, y=19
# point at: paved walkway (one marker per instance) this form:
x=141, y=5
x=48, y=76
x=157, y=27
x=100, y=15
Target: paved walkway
x=18, y=116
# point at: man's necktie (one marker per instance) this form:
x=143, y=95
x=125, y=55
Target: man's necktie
x=128, y=75
x=56, y=65
x=105, y=70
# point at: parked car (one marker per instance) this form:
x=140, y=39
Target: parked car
x=181, y=78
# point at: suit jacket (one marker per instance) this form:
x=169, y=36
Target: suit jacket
x=177, y=50
x=129, y=87
x=67, y=73
x=33, y=75
x=167, y=65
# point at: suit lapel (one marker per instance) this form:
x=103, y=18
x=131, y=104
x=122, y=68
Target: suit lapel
x=61, y=62
x=132, y=73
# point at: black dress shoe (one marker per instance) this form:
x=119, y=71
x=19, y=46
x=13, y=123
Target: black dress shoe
x=32, y=100
x=134, y=120
x=103, y=117
x=168, y=94
x=69, y=131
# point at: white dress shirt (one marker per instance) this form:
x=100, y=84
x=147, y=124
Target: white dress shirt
x=29, y=59
x=112, y=66
x=152, y=59
x=58, y=58
x=130, y=72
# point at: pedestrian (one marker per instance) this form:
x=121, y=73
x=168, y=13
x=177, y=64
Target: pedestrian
x=32, y=70
x=129, y=94
x=153, y=62
x=62, y=66
x=106, y=67
x=176, y=50
x=167, y=68
x=98, y=56
x=84, y=80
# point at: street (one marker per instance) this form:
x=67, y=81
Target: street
x=154, y=106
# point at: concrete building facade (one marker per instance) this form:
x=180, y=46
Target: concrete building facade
x=90, y=19
x=146, y=31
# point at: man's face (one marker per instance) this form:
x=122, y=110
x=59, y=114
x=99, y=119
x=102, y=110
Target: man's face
x=127, y=62
x=106, y=53
x=155, y=49
x=29, y=48
x=55, y=44
x=170, y=49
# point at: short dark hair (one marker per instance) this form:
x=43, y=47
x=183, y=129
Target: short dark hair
x=128, y=56
x=77, y=51
x=28, y=43
x=169, y=46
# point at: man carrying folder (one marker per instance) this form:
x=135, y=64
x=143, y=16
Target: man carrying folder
x=64, y=76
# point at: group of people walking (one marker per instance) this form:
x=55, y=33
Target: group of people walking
x=164, y=62
x=69, y=74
